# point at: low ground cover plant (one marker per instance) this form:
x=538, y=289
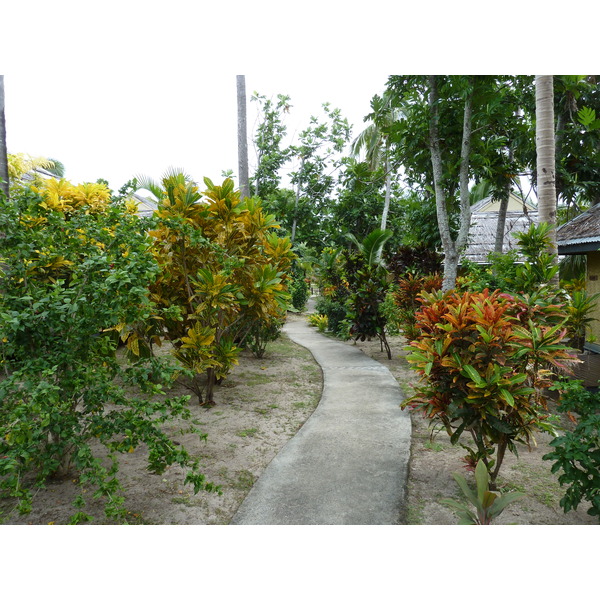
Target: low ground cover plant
x=485, y=505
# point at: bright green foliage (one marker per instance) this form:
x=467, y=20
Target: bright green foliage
x=270, y=133
x=299, y=288
x=261, y=333
x=335, y=291
x=318, y=321
x=581, y=306
x=484, y=359
x=577, y=453
x=488, y=505
x=76, y=264
x=222, y=269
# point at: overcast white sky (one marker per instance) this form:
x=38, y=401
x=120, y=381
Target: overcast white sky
x=113, y=89
x=109, y=128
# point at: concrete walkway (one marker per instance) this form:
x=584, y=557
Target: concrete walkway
x=348, y=464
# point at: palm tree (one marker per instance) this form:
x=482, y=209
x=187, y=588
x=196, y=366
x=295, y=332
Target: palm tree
x=375, y=141
x=3, y=151
x=242, y=136
x=546, y=165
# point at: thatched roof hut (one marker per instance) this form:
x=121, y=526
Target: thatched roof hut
x=484, y=218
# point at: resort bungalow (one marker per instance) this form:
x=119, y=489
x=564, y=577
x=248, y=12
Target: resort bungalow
x=581, y=236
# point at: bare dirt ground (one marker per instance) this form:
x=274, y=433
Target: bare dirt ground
x=434, y=460
x=259, y=408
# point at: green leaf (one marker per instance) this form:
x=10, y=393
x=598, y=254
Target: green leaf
x=586, y=116
x=482, y=477
x=510, y=400
x=472, y=373
x=466, y=490
x=503, y=501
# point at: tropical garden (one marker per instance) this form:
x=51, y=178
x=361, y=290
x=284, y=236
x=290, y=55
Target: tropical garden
x=122, y=336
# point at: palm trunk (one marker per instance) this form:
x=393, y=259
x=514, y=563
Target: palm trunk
x=242, y=135
x=3, y=151
x=546, y=166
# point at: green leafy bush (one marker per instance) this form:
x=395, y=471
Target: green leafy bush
x=261, y=334
x=299, y=290
x=334, y=311
x=577, y=453
x=76, y=264
x=368, y=281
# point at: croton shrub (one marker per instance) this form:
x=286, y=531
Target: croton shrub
x=485, y=359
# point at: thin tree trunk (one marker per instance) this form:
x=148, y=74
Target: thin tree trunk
x=242, y=135
x=3, y=150
x=388, y=185
x=451, y=247
x=546, y=165
x=501, y=224
x=465, y=152
x=296, y=202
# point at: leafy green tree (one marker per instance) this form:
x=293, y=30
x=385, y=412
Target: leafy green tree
x=357, y=207
x=268, y=138
x=76, y=263
x=319, y=156
x=438, y=108
x=577, y=135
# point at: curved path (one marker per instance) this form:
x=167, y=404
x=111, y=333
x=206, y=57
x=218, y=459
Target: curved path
x=348, y=463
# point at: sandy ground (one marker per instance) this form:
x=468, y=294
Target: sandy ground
x=259, y=408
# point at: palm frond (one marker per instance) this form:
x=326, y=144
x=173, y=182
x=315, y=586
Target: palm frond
x=372, y=245
x=143, y=182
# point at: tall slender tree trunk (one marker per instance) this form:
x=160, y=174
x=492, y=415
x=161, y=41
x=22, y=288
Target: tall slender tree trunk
x=546, y=162
x=452, y=248
x=501, y=223
x=388, y=185
x=242, y=136
x=296, y=202
x=3, y=149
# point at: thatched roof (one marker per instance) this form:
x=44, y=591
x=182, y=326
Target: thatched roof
x=484, y=219
x=581, y=234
